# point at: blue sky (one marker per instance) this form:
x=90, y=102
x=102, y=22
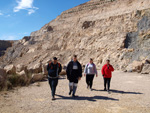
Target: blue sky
x=19, y=18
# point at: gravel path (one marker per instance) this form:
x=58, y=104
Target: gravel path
x=130, y=94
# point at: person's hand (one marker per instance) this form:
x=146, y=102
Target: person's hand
x=79, y=78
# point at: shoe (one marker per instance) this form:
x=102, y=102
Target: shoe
x=105, y=89
x=91, y=89
x=73, y=95
x=70, y=92
x=53, y=98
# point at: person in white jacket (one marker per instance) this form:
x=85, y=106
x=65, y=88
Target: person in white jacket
x=90, y=71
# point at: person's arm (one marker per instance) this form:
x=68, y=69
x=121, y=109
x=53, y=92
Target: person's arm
x=67, y=70
x=85, y=70
x=95, y=70
x=111, y=68
x=80, y=70
x=60, y=68
x=48, y=67
x=102, y=71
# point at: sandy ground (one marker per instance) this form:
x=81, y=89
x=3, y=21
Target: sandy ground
x=130, y=93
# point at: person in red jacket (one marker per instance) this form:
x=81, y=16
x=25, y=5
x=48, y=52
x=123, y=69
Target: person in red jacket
x=107, y=70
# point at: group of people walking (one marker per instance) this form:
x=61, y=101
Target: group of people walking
x=74, y=74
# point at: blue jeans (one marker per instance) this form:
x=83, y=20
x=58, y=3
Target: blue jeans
x=53, y=84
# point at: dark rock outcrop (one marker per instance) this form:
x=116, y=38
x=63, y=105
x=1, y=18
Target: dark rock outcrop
x=4, y=45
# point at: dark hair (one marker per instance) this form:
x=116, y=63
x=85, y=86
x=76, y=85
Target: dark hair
x=91, y=59
x=108, y=60
x=55, y=58
x=75, y=56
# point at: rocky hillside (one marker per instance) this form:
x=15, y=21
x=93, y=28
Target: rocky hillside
x=4, y=45
x=99, y=29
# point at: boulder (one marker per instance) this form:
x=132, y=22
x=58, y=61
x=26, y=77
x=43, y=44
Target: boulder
x=37, y=68
x=22, y=74
x=20, y=68
x=23, y=79
x=135, y=66
x=10, y=69
x=37, y=77
x=3, y=78
x=31, y=50
x=44, y=69
x=146, y=69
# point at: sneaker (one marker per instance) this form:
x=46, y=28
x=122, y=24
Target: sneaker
x=70, y=92
x=73, y=95
x=105, y=89
x=53, y=98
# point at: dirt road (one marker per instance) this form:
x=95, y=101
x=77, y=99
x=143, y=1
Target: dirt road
x=130, y=94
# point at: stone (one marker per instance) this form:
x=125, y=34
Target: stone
x=35, y=68
x=37, y=77
x=22, y=74
x=4, y=45
x=10, y=69
x=135, y=66
x=146, y=69
x=3, y=78
x=44, y=69
x=20, y=68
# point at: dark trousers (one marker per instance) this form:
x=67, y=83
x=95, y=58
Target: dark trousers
x=107, y=82
x=53, y=84
x=89, y=79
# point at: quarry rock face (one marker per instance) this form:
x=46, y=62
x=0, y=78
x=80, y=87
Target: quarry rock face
x=10, y=69
x=100, y=29
x=2, y=78
x=4, y=45
x=146, y=69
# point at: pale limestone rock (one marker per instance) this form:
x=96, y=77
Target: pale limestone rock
x=37, y=77
x=35, y=68
x=10, y=69
x=135, y=66
x=146, y=69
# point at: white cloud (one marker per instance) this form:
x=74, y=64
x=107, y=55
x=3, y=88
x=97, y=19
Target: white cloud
x=31, y=11
x=8, y=15
x=5, y=37
x=1, y=13
x=11, y=38
x=25, y=5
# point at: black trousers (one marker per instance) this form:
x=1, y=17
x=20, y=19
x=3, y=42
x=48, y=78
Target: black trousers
x=89, y=79
x=53, y=84
x=107, y=82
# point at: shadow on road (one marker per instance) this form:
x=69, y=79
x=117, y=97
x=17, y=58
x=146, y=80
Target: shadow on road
x=118, y=91
x=87, y=98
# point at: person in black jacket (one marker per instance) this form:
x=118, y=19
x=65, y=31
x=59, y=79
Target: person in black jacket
x=74, y=73
x=53, y=68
